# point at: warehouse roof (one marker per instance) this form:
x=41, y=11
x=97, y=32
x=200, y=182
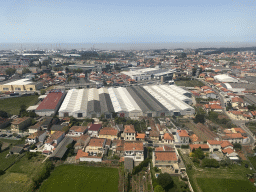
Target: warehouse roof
x=62, y=148
x=51, y=101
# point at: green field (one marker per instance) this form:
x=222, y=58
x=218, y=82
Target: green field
x=6, y=162
x=253, y=161
x=81, y=178
x=19, y=176
x=189, y=83
x=12, y=105
x=227, y=185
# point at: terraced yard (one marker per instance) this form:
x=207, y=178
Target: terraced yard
x=19, y=177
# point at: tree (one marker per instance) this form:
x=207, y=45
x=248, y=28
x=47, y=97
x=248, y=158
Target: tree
x=1, y=144
x=158, y=188
x=198, y=153
x=165, y=180
x=42, y=91
x=183, y=55
x=237, y=146
x=3, y=114
x=200, y=118
x=10, y=71
x=25, y=70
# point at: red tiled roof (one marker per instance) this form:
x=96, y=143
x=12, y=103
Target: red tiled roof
x=97, y=142
x=133, y=146
x=183, y=133
x=129, y=129
x=51, y=101
x=196, y=146
x=108, y=131
x=214, y=142
x=80, y=153
x=228, y=151
x=166, y=156
x=168, y=136
x=140, y=136
x=78, y=128
x=95, y=127
x=164, y=148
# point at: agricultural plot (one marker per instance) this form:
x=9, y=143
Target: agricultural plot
x=227, y=185
x=19, y=176
x=12, y=105
x=81, y=178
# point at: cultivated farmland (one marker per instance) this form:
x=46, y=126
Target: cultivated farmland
x=81, y=178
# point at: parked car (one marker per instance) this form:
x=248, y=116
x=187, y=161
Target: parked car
x=18, y=136
x=4, y=135
x=9, y=135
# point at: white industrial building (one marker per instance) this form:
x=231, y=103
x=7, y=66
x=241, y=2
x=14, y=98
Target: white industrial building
x=75, y=103
x=173, y=102
x=135, y=101
x=148, y=73
x=225, y=78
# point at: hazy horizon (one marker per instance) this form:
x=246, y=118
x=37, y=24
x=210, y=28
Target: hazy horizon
x=121, y=46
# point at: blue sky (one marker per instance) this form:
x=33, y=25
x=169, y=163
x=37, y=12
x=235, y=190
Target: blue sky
x=76, y=21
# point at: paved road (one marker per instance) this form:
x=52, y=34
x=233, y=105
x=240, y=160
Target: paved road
x=238, y=123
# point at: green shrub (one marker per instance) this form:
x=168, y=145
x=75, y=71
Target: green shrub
x=210, y=163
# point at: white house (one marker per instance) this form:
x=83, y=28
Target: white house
x=54, y=140
x=183, y=137
x=134, y=150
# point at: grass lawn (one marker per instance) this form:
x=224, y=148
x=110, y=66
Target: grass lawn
x=189, y=83
x=6, y=162
x=12, y=105
x=253, y=161
x=81, y=178
x=19, y=176
x=227, y=185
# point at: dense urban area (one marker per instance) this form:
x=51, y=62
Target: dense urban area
x=174, y=120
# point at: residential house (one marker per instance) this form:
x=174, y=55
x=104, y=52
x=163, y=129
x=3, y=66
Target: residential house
x=129, y=133
x=118, y=146
x=140, y=137
x=46, y=123
x=134, y=150
x=35, y=128
x=168, y=138
x=154, y=135
x=77, y=131
x=165, y=157
x=237, y=101
x=53, y=141
x=94, y=129
x=82, y=142
x=95, y=146
x=57, y=128
x=234, y=138
x=20, y=124
x=183, y=137
x=108, y=133
x=38, y=136
x=204, y=147
x=4, y=122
